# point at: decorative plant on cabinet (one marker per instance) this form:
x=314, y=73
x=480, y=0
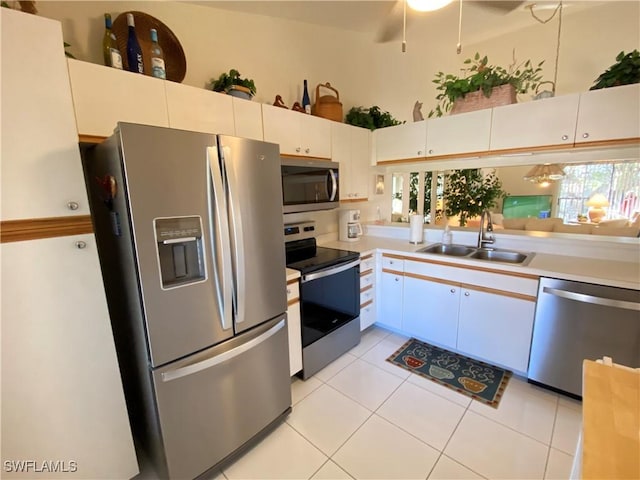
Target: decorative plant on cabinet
x=233, y=84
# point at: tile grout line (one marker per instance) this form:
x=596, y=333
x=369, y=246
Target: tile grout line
x=553, y=429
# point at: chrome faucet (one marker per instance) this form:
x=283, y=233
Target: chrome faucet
x=485, y=237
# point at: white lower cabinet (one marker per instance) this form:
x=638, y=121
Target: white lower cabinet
x=430, y=310
x=294, y=327
x=496, y=328
x=367, y=291
x=390, y=292
x=62, y=397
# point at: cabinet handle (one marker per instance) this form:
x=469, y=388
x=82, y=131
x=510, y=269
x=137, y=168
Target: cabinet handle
x=585, y=135
x=397, y=279
x=430, y=151
x=565, y=137
x=307, y=150
x=73, y=205
x=466, y=294
x=80, y=244
x=453, y=290
x=419, y=152
x=288, y=291
x=298, y=149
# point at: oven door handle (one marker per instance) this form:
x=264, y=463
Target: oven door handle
x=329, y=271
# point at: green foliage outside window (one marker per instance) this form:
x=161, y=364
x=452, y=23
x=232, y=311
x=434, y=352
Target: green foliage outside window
x=467, y=193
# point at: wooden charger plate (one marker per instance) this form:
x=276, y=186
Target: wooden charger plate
x=175, y=62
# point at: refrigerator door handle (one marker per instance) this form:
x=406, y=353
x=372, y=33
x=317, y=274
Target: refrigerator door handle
x=223, y=357
x=220, y=242
x=238, y=237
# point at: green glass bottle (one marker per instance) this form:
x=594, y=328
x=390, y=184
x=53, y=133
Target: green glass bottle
x=112, y=57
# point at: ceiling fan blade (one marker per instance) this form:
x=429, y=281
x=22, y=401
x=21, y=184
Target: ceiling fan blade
x=505, y=6
x=391, y=28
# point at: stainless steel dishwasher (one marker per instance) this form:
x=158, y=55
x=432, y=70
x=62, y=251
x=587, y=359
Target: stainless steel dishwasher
x=576, y=321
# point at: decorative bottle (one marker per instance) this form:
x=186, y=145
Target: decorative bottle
x=306, y=102
x=112, y=57
x=134, y=53
x=157, y=57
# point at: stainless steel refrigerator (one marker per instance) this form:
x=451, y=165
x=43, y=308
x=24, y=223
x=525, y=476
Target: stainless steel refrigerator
x=191, y=245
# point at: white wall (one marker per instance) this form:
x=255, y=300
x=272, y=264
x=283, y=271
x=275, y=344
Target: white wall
x=279, y=54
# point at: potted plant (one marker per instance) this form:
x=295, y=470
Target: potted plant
x=483, y=79
x=625, y=71
x=233, y=84
x=468, y=192
x=370, y=118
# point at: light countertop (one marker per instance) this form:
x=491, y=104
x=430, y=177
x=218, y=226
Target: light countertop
x=602, y=272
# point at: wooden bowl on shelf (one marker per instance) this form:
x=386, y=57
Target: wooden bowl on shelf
x=174, y=59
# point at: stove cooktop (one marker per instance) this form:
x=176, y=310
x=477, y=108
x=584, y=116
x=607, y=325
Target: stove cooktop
x=306, y=257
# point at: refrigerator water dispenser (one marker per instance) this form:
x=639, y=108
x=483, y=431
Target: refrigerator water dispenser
x=180, y=253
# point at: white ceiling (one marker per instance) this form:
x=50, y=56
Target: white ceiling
x=374, y=17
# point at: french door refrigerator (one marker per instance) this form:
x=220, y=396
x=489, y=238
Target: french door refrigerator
x=190, y=239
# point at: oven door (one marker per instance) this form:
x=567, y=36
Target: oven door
x=329, y=299
x=309, y=185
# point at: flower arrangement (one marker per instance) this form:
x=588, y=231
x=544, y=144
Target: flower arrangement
x=468, y=192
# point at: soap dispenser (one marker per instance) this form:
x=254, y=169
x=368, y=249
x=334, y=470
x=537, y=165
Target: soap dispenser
x=447, y=236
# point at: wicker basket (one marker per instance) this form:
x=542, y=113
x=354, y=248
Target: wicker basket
x=502, y=95
x=327, y=106
x=175, y=62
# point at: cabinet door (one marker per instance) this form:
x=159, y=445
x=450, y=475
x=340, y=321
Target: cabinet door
x=282, y=126
x=390, y=300
x=41, y=167
x=341, y=153
x=294, y=327
x=551, y=121
x=360, y=162
x=609, y=114
x=462, y=133
x=104, y=96
x=496, y=328
x=401, y=142
x=247, y=116
x=315, y=137
x=200, y=110
x=431, y=310
x=62, y=397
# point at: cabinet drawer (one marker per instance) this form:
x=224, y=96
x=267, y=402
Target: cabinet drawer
x=293, y=291
x=367, y=263
x=366, y=295
x=392, y=263
x=366, y=280
x=367, y=316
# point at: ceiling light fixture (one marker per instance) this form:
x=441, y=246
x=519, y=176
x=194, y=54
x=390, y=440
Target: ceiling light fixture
x=545, y=174
x=428, y=5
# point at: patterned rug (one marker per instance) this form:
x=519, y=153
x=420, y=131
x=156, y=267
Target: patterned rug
x=478, y=380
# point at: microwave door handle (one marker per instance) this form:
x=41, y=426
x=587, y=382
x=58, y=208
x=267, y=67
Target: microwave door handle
x=237, y=236
x=220, y=244
x=331, y=176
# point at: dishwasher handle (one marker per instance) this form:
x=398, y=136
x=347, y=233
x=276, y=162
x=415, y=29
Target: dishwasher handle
x=581, y=297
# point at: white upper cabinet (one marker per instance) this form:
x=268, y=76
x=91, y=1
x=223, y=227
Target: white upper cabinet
x=41, y=167
x=401, y=142
x=350, y=147
x=538, y=123
x=297, y=133
x=247, y=116
x=104, y=96
x=458, y=134
x=609, y=114
x=197, y=109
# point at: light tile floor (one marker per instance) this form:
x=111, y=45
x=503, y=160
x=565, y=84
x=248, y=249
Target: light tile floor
x=361, y=417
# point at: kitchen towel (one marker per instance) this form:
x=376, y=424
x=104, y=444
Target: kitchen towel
x=416, y=229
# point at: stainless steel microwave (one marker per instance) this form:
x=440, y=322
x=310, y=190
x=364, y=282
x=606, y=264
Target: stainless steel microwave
x=309, y=185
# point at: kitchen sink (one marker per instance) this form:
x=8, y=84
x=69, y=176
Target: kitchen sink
x=453, y=250
x=484, y=254
x=499, y=256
